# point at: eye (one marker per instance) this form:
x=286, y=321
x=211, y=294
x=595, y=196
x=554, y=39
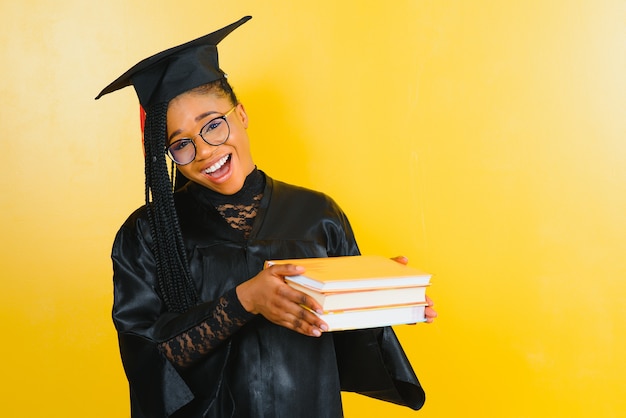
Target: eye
x=212, y=125
x=180, y=145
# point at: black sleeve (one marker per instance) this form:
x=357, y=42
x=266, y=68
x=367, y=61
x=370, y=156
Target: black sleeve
x=372, y=362
x=225, y=317
x=151, y=339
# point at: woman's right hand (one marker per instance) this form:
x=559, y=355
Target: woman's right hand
x=268, y=294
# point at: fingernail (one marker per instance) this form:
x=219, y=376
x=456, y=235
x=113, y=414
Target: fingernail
x=324, y=327
x=316, y=332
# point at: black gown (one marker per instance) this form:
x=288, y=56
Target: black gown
x=262, y=369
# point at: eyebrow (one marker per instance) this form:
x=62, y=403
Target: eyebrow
x=197, y=119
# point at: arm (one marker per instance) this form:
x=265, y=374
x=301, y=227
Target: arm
x=157, y=387
x=225, y=317
x=388, y=375
x=185, y=339
x=265, y=294
x=139, y=310
x=268, y=294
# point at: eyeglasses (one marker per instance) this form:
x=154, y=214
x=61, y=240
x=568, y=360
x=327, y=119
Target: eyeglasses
x=215, y=132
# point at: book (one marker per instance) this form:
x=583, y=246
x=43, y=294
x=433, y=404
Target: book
x=359, y=299
x=349, y=273
x=376, y=317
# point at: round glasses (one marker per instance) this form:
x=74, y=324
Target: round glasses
x=215, y=133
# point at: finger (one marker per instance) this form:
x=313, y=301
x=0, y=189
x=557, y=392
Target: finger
x=309, y=317
x=286, y=269
x=305, y=300
x=305, y=322
x=430, y=314
x=295, y=296
x=300, y=306
x=401, y=259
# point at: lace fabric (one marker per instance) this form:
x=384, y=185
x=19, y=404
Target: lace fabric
x=240, y=216
x=227, y=316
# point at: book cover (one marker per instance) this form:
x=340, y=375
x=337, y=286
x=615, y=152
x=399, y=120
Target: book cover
x=332, y=274
x=372, y=318
x=359, y=299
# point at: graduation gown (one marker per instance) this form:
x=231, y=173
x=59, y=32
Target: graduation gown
x=262, y=370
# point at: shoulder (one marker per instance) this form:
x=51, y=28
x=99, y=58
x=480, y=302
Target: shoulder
x=135, y=229
x=298, y=195
x=136, y=219
x=314, y=212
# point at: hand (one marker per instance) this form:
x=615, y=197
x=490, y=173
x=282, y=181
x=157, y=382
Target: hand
x=268, y=294
x=401, y=259
x=429, y=312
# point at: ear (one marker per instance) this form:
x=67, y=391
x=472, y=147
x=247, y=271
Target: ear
x=242, y=115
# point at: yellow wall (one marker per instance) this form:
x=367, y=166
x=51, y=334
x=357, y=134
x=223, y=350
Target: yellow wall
x=483, y=139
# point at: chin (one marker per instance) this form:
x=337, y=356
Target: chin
x=229, y=187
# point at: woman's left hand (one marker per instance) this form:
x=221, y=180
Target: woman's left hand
x=429, y=312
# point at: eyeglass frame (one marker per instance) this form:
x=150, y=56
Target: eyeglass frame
x=195, y=149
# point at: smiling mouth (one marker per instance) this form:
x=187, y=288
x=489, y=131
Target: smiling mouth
x=217, y=165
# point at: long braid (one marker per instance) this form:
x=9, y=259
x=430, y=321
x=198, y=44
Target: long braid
x=173, y=275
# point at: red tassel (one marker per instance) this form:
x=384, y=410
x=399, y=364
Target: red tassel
x=142, y=121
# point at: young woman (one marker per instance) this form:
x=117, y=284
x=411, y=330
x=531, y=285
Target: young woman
x=204, y=330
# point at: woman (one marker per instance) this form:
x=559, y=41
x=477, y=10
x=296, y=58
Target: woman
x=204, y=330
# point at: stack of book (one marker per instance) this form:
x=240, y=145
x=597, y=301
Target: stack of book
x=362, y=291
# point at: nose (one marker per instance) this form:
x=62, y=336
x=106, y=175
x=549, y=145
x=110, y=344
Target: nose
x=203, y=150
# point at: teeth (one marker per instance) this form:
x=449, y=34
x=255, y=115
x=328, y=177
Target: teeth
x=217, y=165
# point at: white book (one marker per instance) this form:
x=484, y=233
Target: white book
x=361, y=299
x=372, y=318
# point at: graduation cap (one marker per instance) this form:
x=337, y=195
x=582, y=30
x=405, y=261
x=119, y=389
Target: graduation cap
x=169, y=73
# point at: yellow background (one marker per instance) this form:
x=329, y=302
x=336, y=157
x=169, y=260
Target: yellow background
x=485, y=140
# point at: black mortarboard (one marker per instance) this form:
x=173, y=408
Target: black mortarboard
x=167, y=74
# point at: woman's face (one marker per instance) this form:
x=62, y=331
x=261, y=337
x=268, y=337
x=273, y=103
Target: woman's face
x=221, y=168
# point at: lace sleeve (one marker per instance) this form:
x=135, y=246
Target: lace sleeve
x=227, y=316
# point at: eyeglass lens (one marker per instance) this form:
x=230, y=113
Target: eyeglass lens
x=215, y=132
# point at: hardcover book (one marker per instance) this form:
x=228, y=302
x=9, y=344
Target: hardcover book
x=363, y=291
x=360, y=272
x=376, y=317
x=370, y=298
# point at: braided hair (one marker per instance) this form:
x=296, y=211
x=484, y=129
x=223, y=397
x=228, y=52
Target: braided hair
x=173, y=273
